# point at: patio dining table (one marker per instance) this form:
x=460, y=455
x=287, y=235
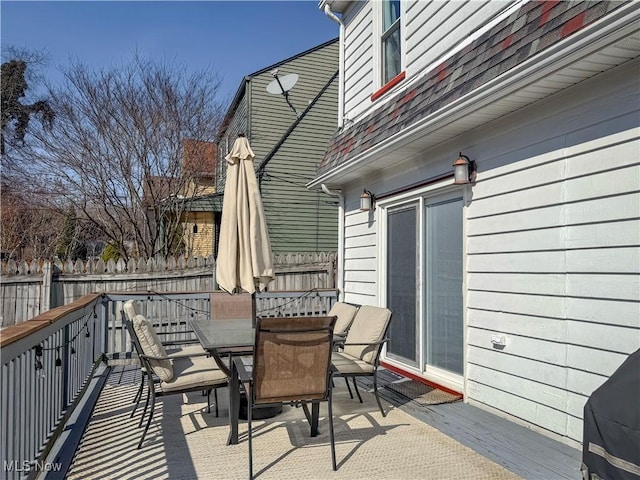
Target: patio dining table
x=226, y=338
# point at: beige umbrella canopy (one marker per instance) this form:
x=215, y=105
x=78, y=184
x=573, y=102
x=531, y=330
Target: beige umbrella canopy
x=244, y=256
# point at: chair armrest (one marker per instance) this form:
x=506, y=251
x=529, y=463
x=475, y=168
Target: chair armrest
x=179, y=333
x=338, y=339
x=244, y=374
x=173, y=357
x=384, y=340
x=181, y=342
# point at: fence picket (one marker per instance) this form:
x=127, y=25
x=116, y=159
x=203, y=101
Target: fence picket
x=25, y=293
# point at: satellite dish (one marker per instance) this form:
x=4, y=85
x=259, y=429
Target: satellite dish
x=281, y=85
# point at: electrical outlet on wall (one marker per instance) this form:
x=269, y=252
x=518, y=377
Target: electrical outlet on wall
x=498, y=341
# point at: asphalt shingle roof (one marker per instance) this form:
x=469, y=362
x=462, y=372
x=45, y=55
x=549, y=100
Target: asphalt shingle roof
x=526, y=33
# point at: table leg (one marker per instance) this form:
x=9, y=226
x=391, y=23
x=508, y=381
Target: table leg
x=312, y=417
x=234, y=404
x=315, y=413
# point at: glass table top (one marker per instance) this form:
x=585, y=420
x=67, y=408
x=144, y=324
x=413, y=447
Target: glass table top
x=221, y=334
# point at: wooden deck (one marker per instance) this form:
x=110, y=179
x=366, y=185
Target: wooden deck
x=519, y=450
x=523, y=451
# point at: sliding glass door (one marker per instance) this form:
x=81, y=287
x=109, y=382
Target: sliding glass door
x=402, y=271
x=444, y=332
x=424, y=268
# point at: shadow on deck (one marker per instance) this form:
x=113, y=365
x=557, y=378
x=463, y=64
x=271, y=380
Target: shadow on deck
x=449, y=441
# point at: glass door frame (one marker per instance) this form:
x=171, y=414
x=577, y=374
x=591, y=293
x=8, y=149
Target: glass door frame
x=433, y=373
x=420, y=198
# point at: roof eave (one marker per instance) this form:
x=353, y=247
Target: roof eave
x=619, y=26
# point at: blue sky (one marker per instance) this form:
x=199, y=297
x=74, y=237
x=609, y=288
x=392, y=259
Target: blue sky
x=233, y=38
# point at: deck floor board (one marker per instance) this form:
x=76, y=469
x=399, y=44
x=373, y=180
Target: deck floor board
x=180, y=441
x=523, y=451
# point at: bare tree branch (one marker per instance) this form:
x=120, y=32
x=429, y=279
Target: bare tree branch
x=115, y=151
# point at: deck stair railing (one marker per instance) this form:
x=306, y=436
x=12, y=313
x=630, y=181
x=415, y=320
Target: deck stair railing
x=49, y=360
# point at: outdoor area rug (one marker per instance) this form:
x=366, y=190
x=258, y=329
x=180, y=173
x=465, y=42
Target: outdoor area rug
x=187, y=443
x=421, y=393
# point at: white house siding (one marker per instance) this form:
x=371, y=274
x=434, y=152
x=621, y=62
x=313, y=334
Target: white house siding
x=553, y=252
x=429, y=27
x=358, y=59
x=428, y=36
x=552, y=248
x=360, y=258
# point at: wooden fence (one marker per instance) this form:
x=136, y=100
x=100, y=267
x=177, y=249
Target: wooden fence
x=28, y=289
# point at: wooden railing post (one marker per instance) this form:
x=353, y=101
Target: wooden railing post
x=45, y=294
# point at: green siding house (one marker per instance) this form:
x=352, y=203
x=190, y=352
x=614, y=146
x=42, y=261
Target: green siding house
x=289, y=136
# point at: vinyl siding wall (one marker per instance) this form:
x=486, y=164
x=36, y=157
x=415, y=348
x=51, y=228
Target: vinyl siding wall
x=428, y=28
x=360, y=255
x=358, y=59
x=238, y=123
x=553, y=255
x=299, y=220
x=434, y=29
x=552, y=242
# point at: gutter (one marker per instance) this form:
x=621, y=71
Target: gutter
x=341, y=235
x=622, y=22
x=335, y=18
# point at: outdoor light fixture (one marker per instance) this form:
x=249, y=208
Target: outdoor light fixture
x=464, y=170
x=367, y=201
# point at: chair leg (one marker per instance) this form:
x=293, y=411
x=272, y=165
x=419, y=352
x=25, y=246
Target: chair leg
x=331, y=435
x=138, y=396
x=375, y=392
x=346, y=379
x=139, y=392
x=215, y=397
x=146, y=403
x=208, y=401
x=153, y=405
x=249, y=418
x=355, y=385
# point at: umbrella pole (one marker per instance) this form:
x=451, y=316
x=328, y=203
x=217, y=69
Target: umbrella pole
x=253, y=309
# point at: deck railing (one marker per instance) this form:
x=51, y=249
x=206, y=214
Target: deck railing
x=45, y=364
x=48, y=361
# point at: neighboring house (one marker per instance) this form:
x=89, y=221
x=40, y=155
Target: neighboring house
x=199, y=218
x=188, y=203
x=520, y=289
x=289, y=136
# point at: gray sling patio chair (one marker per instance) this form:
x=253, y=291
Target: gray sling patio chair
x=169, y=375
x=291, y=365
x=226, y=306
x=345, y=313
x=359, y=355
x=175, y=347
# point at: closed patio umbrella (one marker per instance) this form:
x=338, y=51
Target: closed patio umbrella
x=244, y=256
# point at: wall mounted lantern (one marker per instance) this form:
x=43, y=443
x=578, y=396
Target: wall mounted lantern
x=464, y=170
x=367, y=201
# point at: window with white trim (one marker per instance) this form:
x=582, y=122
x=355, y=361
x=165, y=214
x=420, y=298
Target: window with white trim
x=391, y=50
